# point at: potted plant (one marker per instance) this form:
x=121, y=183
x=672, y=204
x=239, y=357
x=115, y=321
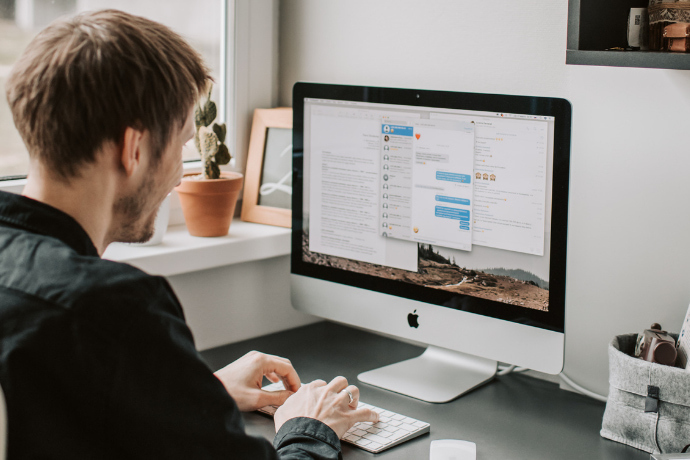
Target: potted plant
x=208, y=200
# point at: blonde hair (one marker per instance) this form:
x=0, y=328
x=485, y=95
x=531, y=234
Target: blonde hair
x=82, y=81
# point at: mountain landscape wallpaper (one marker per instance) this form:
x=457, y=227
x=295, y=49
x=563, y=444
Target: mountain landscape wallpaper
x=509, y=286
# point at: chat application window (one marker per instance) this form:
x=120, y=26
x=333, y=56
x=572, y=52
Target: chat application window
x=510, y=164
x=428, y=168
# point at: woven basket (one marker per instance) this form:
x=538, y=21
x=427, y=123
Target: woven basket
x=663, y=13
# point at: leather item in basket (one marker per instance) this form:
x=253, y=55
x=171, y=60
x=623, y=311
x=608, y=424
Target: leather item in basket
x=679, y=30
x=679, y=44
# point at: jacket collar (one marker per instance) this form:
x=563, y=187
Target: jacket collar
x=36, y=217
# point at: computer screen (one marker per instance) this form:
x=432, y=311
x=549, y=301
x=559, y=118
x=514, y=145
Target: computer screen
x=457, y=200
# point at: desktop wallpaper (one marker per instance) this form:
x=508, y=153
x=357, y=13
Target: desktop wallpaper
x=438, y=268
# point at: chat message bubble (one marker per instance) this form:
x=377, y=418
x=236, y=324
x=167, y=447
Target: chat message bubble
x=453, y=177
x=451, y=199
x=452, y=213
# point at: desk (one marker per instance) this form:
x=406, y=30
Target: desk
x=514, y=417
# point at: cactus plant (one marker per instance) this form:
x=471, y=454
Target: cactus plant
x=209, y=142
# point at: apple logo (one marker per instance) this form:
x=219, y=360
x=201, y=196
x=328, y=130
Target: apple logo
x=412, y=319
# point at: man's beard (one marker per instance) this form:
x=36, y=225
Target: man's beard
x=129, y=209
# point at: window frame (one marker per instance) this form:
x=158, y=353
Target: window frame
x=231, y=12
x=249, y=69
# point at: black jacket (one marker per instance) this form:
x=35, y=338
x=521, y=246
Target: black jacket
x=96, y=360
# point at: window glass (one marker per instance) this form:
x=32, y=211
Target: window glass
x=20, y=20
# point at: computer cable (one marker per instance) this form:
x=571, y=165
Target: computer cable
x=505, y=370
x=580, y=389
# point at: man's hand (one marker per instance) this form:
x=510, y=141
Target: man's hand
x=329, y=403
x=243, y=379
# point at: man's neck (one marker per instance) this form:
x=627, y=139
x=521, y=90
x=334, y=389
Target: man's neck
x=87, y=200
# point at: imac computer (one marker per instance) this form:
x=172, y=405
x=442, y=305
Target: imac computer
x=436, y=217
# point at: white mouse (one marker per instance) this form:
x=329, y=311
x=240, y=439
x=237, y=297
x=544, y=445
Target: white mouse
x=452, y=449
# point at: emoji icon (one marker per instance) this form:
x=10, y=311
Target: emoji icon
x=416, y=229
x=417, y=136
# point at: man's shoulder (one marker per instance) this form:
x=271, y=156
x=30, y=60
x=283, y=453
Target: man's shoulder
x=47, y=271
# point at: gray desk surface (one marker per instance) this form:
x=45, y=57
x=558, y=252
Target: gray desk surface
x=513, y=417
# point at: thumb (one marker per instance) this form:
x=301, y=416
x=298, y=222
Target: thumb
x=276, y=398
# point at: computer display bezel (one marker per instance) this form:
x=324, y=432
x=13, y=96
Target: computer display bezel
x=560, y=109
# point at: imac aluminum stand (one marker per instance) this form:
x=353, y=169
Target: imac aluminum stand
x=437, y=375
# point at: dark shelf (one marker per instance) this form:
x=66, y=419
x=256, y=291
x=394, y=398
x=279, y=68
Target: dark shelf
x=594, y=26
x=645, y=59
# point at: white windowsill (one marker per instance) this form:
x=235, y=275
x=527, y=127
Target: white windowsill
x=182, y=253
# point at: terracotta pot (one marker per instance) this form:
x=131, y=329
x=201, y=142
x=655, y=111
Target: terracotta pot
x=208, y=205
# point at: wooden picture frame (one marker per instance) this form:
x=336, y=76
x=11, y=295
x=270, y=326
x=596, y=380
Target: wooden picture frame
x=269, y=124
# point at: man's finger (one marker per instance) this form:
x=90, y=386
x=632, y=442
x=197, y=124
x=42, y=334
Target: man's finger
x=365, y=415
x=354, y=391
x=283, y=368
x=338, y=384
x=273, y=377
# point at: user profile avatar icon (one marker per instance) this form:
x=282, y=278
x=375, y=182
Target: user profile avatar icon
x=386, y=167
x=386, y=129
x=386, y=157
x=385, y=177
x=386, y=138
x=385, y=196
x=385, y=186
x=385, y=224
x=384, y=234
x=385, y=147
x=385, y=205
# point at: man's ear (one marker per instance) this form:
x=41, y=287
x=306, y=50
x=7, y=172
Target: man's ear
x=131, y=154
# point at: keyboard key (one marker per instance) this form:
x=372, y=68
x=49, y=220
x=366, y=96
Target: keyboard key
x=398, y=434
x=389, y=428
x=362, y=442
x=379, y=439
x=375, y=446
x=398, y=417
x=359, y=433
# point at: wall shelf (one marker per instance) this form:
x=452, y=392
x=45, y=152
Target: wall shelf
x=595, y=26
x=182, y=253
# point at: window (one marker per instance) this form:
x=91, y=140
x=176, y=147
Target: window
x=202, y=23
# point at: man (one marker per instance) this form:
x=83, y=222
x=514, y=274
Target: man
x=96, y=360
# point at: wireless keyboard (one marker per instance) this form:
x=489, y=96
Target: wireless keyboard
x=391, y=429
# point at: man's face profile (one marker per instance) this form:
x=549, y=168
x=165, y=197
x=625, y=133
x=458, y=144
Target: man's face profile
x=139, y=209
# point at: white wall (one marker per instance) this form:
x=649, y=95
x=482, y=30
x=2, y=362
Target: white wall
x=629, y=229
x=238, y=302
